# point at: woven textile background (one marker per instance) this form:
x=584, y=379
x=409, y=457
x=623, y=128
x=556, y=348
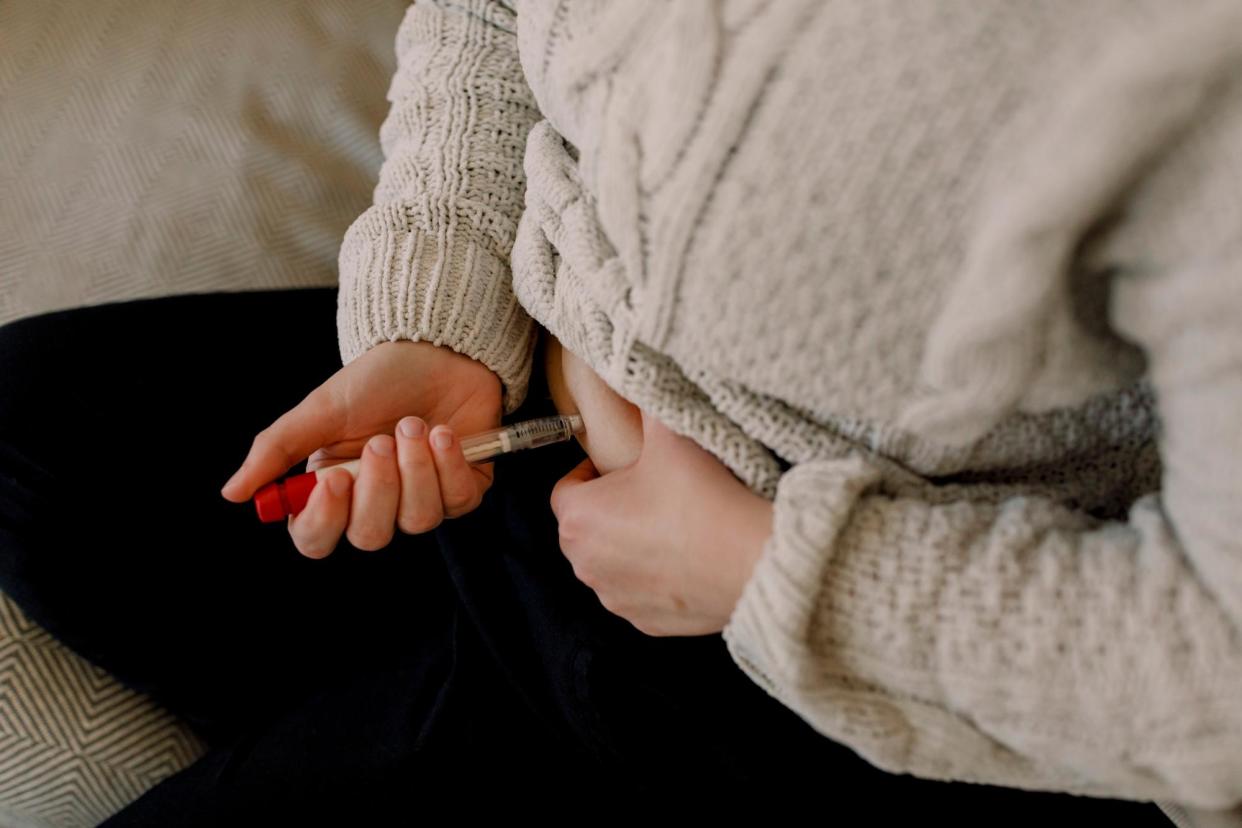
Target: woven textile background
x=150, y=148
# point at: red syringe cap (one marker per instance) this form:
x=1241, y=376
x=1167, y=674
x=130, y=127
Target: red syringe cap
x=279, y=499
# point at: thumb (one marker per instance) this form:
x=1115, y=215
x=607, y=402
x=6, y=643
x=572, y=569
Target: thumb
x=655, y=432
x=312, y=423
x=584, y=472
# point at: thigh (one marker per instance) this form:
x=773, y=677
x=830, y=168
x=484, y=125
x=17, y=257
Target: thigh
x=118, y=425
x=675, y=719
x=437, y=730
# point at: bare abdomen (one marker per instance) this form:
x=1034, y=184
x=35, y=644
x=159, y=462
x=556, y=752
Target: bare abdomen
x=614, y=427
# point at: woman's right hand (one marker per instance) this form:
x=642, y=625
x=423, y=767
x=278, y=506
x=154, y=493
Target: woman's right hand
x=409, y=483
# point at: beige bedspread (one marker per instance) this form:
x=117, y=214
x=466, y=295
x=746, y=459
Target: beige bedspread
x=150, y=148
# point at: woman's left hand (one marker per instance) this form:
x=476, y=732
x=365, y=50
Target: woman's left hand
x=666, y=543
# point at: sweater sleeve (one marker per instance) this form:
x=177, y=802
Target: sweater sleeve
x=429, y=260
x=1022, y=643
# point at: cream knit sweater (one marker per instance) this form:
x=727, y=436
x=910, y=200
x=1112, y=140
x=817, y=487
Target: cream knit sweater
x=947, y=281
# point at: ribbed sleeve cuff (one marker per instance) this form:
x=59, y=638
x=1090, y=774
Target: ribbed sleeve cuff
x=810, y=629
x=769, y=631
x=399, y=281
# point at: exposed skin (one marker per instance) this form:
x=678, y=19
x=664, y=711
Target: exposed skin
x=668, y=542
x=614, y=426
x=660, y=529
x=407, y=484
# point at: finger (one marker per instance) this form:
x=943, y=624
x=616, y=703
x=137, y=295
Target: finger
x=584, y=472
x=420, y=509
x=654, y=430
x=317, y=529
x=324, y=457
x=377, y=491
x=318, y=459
x=312, y=423
x=460, y=490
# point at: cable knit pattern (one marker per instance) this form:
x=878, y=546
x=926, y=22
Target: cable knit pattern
x=957, y=285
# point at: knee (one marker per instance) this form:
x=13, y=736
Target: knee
x=21, y=342
x=24, y=410
x=29, y=349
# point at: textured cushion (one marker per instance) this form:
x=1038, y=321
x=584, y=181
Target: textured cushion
x=150, y=148
x=75, y=746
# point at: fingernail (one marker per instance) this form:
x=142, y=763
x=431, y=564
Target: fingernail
x=442, y=438
x=413, y=427
x=382, y=446
x=338, y=483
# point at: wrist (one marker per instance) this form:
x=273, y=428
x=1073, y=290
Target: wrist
x=751, y=536
x=450, y=362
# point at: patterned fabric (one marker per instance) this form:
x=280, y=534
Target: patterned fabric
x=66, y=721
x=151, y=149
x=926, y=275
x=155, y=148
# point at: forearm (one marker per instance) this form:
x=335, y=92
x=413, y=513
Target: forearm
x=430, y=259
x=1021, y=644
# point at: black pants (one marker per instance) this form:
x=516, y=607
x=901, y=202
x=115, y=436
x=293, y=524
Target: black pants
x=465, y=667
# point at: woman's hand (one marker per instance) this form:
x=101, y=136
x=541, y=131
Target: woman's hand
x=405, y=482
x=666, y=543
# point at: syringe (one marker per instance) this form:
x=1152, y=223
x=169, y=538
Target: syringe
x=281, y=498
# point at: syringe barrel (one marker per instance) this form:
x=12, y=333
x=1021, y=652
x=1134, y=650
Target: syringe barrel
x=524, y=435
x=282, y=498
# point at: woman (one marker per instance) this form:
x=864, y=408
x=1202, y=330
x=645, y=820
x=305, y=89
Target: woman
x=871, y=313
